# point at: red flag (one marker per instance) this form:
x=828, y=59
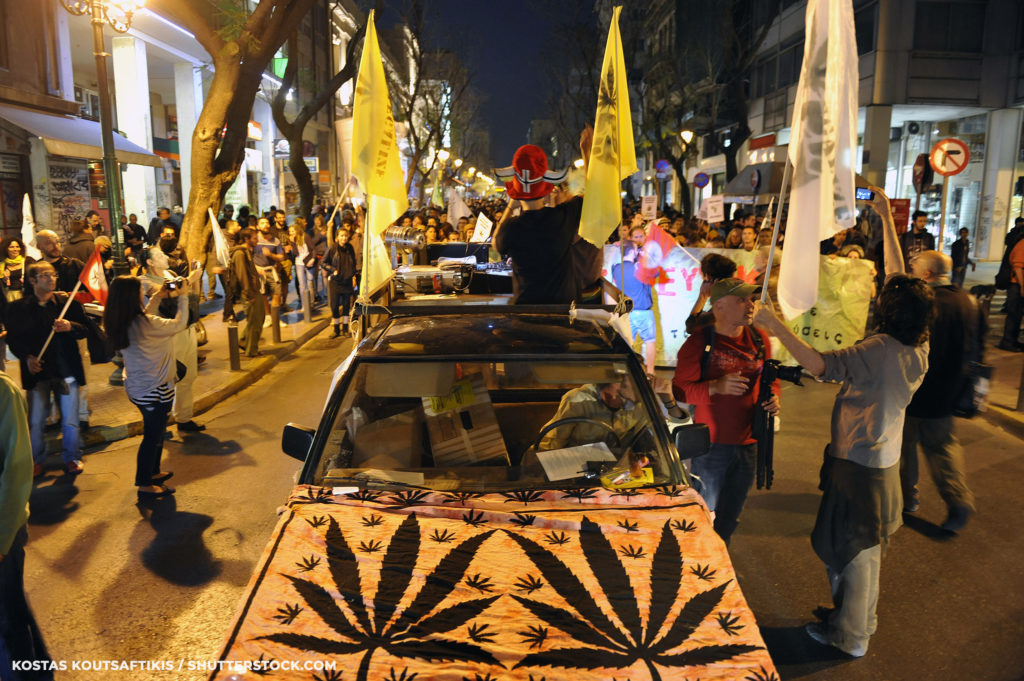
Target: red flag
x=94, y=278
x=655, y=250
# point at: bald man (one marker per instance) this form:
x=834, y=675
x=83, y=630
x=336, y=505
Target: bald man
x=957, y=336
x=67, y=268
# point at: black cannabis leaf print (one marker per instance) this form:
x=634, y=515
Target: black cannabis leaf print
x=598, y=641
x=362, y=629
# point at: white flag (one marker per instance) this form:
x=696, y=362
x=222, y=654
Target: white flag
x=821, y=148
x=220, y=244
x=28, y=230
x=457, y=208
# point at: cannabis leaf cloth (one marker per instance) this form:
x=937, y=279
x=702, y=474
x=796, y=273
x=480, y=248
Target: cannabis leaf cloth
x=585, y=584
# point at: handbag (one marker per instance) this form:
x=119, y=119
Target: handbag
x=972, y=398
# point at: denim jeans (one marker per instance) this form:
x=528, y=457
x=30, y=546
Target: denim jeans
x=154, y=425
x=39, y=409
x=726, y=474
x=306, y=276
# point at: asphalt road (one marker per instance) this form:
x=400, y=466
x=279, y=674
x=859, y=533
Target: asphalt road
x=951, y=608
x=109, y=580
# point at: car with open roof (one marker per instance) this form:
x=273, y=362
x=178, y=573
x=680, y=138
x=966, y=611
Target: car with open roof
x=494, y=492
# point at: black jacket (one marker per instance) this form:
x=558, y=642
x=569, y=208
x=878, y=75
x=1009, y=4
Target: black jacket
x=80, y=247
x=957, y=336
x=28, y=325
x=340, y=265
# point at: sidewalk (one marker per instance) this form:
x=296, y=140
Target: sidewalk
x=114, y=417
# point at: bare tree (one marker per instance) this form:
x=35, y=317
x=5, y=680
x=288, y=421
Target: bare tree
x=241, y=38
x=292, y=130
x=741, y=30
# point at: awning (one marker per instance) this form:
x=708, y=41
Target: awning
x=76, y=137
x=758, y=183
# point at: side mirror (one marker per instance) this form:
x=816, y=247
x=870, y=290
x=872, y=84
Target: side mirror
x=692, y=440
x=296, y=441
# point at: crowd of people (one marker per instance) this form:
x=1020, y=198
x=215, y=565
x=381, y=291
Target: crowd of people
x=898, y=385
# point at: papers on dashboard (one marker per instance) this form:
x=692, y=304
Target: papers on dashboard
x=563, y=464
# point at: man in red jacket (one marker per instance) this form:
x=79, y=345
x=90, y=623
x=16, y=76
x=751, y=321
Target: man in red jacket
x=717, y=371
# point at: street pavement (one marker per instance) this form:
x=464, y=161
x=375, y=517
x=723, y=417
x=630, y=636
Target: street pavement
x=112, y=580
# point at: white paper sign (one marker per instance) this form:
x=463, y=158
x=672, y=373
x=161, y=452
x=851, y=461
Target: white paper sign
x=649, y=207
x=563, y=464
x=483, y=229
x=715, y=208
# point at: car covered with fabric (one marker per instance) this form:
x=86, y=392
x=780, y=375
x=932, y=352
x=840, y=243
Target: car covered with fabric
x=494, y=493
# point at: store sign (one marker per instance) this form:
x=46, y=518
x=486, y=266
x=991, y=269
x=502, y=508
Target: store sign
x=10, y=166
x=949, y=157
x=282, y=148
x=313, y=163
x=255, y=131
x=324, y=177
x=254, y=159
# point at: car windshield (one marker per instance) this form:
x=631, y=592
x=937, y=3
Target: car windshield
x=485, y=426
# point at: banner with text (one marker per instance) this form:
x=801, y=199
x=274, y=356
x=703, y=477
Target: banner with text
x=838, y=319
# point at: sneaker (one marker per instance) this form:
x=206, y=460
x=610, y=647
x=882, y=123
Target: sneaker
x=190, y=426
x=267, y=322
x=214, y=296
x=911, y=505
x=817, y=631
x=1010, y=347
x=957, y=519
x=75, y=467
x=83, y=425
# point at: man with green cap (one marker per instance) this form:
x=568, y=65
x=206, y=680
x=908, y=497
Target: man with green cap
x=717, y=371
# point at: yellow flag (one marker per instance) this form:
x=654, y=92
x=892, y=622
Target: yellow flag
x=613, y=157
x=380, y=214
x=375, y=159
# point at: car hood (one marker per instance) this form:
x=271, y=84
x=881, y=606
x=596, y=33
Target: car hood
x=580, y=583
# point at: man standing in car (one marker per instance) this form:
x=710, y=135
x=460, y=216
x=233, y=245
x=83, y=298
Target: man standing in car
x=540, y=239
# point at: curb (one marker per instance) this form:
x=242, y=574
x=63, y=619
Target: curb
x=1007, y=419
x=237, y=381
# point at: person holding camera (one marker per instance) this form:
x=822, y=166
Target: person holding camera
x=862, y=502
x=146, y=342
x=717, y=371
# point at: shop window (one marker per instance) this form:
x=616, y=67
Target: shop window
x=949, y=26
x=775, y=111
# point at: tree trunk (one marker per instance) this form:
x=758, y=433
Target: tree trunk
x=679, y=166
x=300, y=170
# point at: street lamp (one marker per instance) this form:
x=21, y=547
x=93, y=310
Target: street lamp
x=578, y=163
x=117, y=13
x=687, y=136
x=443, y=155
x=458, y=163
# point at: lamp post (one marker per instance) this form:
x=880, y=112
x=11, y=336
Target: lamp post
x=100, y=12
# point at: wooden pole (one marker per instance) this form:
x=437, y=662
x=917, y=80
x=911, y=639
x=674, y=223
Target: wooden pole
x=778, y=223
x=67, y=304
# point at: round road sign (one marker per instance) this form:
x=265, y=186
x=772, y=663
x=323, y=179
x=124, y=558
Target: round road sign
x=701, y=180
x=949, y=157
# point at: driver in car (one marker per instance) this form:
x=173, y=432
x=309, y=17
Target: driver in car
x=611, y=403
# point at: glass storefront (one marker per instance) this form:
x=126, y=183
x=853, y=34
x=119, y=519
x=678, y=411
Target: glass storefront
x=963, y=193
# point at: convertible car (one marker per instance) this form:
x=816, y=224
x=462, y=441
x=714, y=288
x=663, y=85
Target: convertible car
x=494, y=494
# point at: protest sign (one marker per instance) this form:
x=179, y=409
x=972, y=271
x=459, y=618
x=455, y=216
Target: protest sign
x=649, y=207
x=483, y=229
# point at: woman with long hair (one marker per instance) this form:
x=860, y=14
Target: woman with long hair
x=340, y=266
x=146, y=342
x=12, y=266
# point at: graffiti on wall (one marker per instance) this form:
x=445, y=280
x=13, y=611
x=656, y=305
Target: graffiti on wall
x=69, y=193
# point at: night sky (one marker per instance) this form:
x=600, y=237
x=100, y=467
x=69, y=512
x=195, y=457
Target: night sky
x=503, y=44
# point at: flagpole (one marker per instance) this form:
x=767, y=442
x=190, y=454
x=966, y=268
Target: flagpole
x=67, y=304
x=618, y=163
x=775, y=233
